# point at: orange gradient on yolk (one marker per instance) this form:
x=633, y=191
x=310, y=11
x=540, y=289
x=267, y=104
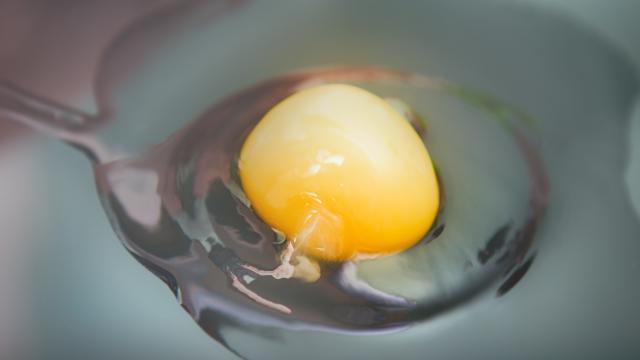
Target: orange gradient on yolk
x=340, y=173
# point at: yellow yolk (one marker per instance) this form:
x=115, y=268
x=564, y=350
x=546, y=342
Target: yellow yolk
x=340, y=173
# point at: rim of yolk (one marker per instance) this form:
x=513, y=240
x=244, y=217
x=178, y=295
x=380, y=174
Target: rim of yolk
x=341, y=173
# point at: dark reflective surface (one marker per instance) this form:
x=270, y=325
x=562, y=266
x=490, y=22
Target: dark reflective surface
x=232, y=266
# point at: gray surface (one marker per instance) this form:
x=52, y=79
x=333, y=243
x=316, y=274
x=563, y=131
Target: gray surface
x=578, y=300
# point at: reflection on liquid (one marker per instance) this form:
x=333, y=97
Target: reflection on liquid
x=178, y=208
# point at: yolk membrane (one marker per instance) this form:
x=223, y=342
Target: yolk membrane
x=341, y=173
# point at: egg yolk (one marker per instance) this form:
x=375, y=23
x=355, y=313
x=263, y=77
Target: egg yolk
x=341, y=173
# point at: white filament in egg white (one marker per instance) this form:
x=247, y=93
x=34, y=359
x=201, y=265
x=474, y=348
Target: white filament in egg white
x=257, y=298
x=283, y=271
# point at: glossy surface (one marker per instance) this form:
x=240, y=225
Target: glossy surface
x=178, y=209
x=341, y=173
x=84, y=289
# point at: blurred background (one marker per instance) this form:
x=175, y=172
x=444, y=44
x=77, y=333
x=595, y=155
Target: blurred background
x=68, y=289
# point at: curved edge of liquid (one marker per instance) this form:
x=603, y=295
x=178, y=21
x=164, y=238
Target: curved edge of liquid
x=185, y=262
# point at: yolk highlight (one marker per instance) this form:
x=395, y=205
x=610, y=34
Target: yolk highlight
x=340, y=173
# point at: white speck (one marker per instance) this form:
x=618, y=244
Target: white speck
x=313, y=169
x=325, y=157
x=257, y=298
x=337, y=160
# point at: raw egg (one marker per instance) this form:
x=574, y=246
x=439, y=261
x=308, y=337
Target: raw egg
x=340, y=173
